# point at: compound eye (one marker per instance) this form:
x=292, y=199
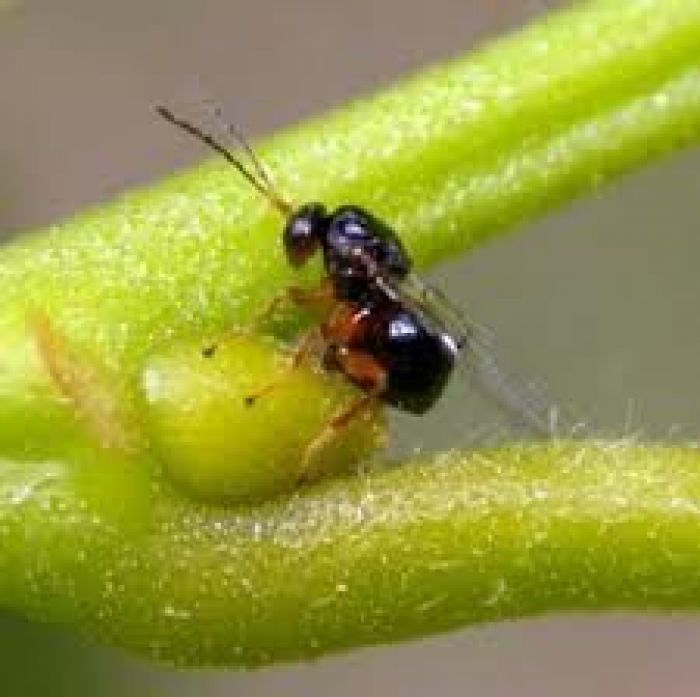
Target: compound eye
x=303, y=233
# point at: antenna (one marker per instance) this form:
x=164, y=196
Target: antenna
x=235, y=132
x=262, y=183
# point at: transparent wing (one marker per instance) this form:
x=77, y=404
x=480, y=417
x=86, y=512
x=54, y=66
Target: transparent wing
x=523, y=402
x=431, y=301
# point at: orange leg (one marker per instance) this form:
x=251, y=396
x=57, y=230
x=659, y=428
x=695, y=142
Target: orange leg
x=319, y=299
x=363, y=369
x=309, y=345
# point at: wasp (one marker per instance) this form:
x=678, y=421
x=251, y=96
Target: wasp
x=391, y=334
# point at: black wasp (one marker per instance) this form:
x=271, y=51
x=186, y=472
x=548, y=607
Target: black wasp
x=394, y=336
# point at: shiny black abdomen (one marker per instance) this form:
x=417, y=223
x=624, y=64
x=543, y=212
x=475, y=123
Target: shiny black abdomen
x=418, y=358
x=357, y=246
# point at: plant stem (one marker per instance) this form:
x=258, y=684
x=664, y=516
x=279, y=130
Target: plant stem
x=98, y=538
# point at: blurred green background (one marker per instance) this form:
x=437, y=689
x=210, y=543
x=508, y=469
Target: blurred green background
x=598, y=301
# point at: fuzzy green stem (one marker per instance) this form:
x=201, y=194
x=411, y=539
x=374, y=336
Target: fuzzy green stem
x=99, y=539
x=431, y=546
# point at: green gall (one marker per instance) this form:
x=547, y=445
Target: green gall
x=235, y=422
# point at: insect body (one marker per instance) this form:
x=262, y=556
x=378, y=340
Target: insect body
x=392, y=335
x=385, y=347
x=373, y=335
x=357, y=248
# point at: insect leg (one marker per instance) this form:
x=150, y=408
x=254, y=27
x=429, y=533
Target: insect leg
x=319, y=299
x=365, y=370
x=310, y=344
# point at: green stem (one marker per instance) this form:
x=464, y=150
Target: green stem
x=433, y=545
x=99, y=539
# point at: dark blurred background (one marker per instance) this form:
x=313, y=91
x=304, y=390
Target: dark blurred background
x=613, y=281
